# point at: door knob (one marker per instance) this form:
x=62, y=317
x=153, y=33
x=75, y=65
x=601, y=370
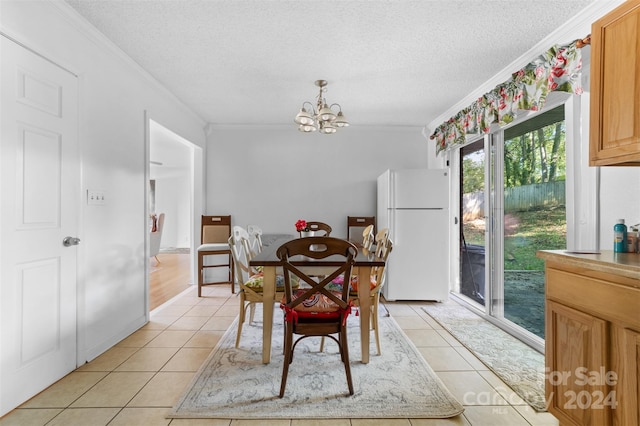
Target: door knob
x=70, y=241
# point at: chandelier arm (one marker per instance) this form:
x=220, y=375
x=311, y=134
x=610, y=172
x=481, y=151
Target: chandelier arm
x=310, y=105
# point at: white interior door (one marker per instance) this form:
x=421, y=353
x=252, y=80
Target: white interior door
x=40, y=198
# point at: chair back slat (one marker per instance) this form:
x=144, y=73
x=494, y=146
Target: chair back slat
x=332, y=250
x=255, y=235
x=368, y=237
x=319, y=229
x=215, y=229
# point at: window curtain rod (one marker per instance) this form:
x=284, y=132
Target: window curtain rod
x=583, y=42
x=557, y=69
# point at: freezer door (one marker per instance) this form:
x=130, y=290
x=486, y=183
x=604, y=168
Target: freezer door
x=418, y=265
x=420, y=188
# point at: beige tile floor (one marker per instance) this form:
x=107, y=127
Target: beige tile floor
x=137, y=381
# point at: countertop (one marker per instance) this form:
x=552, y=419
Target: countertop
x=622, y=264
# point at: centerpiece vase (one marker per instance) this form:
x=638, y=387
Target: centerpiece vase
x=304, y=234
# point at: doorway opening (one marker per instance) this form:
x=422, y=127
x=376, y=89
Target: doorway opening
x=170, y=206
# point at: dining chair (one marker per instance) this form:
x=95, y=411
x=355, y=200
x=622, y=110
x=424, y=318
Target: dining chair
x=359, y=222
x=368, y=237
x=319, y=229
x=376, y=281
x=214, y=235
x=255, y=238
x=382, y=235
x=383, y=249
x=313, y=309
x=155, y=236
x=250, y=281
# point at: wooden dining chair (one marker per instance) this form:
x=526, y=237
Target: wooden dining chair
x=383, y=249
x=313, y=309
x=376, y=281
x=214, y=236
x=319, y=229
x=357, y=223
x=382, y=235
x=368, y=237
x=255, y=238
x=250, y=281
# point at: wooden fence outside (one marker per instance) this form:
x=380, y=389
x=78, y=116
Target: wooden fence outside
x=519, y=198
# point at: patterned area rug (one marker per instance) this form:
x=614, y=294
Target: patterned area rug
x=518, y=365
x=234, y=384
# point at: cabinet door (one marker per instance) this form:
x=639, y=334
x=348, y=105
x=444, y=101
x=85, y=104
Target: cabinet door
x=615, y=87
x=626, y=364
x=575, y=351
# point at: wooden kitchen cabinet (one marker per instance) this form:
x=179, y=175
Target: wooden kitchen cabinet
x=615, y=87
x=626, y=358
x=592, y=344
x=575, y=346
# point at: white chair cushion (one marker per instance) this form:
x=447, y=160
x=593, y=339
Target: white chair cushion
x=214, y=247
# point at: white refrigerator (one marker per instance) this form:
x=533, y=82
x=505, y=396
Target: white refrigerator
x=414, y=205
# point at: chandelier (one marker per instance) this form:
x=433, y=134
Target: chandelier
x=321, y=117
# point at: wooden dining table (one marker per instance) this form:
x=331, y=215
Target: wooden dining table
x=365, y=260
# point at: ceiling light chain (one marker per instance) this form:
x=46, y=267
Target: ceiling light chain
x=322, y=117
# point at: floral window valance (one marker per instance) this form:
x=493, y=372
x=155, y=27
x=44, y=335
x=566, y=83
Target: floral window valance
x=558, y=69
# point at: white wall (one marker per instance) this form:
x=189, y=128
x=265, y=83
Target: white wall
x=619, y=199
x=172, y=199
x=273, y=176
x=115, y=98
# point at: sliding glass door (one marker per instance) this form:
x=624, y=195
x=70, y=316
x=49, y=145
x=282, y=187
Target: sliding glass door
x=530, y=184
x=512, y=204
x=473, y=221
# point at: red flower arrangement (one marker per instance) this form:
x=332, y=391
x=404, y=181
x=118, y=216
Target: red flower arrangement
x=301, y=225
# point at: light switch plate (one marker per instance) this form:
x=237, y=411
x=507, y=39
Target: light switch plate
x=95, y=198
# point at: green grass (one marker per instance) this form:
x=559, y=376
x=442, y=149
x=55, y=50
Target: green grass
x=529, y=232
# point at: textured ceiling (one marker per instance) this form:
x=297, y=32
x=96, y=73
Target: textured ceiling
x=393, y=62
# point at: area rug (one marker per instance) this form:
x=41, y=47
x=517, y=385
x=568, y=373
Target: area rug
x=518, y=365
x=234, y=384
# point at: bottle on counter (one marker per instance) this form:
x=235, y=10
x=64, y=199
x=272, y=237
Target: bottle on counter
x=620, y=237
x=633, y=236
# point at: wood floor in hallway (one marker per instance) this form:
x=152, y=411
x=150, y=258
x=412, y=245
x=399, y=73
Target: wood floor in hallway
x=168, y=277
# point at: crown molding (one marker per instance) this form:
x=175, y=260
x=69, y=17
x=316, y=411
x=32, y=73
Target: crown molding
x=577, y=27
x=211, y=127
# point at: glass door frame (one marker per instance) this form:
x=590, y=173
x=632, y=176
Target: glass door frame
x=575, y=113
x=495, y=255
x=494, y=244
